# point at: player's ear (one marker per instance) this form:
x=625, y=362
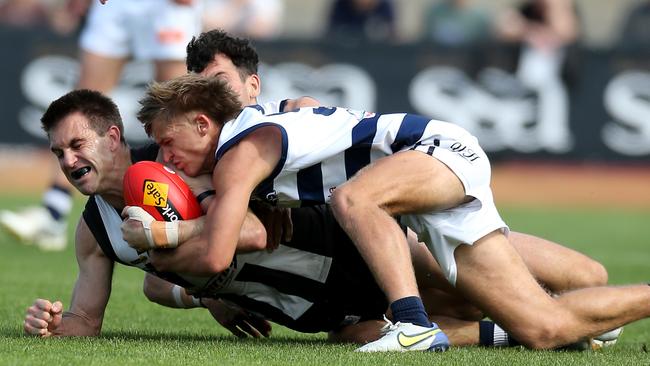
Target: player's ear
x=254, y=86
x=115, y=137
x=202, y=123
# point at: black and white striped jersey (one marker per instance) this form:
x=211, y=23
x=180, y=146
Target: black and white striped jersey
x=310, y=284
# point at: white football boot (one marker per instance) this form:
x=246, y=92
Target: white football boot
x=604, y=340
x=402, y=337
x=35, y=225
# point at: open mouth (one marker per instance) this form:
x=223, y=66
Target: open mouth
x=77, y=174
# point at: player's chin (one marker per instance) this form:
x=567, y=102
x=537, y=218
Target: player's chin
x=83, y=180
x=190, y=171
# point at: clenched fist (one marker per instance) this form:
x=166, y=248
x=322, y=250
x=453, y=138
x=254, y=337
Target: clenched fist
x=43, y=318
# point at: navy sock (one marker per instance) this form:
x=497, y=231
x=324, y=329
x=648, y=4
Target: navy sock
x=410, y=310
x=58, y=201
x=492, y=335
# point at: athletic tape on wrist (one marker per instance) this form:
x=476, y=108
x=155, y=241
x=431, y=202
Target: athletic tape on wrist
x=176, y=292
x=148, y=234
x=196, y=301
x=164, y=234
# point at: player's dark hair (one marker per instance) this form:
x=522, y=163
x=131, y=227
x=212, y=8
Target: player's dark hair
x=187, y=93
x=98, y=108
x=202, y=50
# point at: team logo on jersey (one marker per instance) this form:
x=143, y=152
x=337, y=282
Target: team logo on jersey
x=464, y=151
x=155, y=194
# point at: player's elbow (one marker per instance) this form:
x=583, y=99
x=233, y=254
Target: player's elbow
x=254, y=240
x=213, y=263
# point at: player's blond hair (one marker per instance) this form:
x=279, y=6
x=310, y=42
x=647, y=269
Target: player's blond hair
x=188, y=93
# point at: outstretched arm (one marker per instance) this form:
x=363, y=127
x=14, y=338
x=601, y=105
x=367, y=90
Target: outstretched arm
x=89, y=298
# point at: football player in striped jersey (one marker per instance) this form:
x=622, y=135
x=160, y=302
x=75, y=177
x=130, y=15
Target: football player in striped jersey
x=372, y=167
x=314, y=282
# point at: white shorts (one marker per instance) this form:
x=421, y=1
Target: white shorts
x=443, y=231
x=142, y=29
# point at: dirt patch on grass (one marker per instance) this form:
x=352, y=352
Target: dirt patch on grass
x=569, y=185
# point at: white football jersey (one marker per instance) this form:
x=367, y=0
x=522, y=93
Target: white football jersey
x=323, y=147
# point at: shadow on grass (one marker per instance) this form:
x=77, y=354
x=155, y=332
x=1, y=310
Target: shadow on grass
x=166, y=337
x=130, y=335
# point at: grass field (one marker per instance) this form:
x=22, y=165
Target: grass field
x=136, y=332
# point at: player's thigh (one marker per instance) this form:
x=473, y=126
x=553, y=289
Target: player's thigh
x=492, y=275
x=557, y=267
x=406, y=182
x=98, y=72
x=169, y=69
x=427, y=270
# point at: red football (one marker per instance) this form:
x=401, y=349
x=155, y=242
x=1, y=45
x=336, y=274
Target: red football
x=160, y=192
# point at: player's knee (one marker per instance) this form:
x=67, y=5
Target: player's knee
x=588, y=274
x=545, y=334
x=342, y=201
x=541, y=336
x=595, y=274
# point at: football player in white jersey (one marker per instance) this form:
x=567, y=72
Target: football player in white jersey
x=155, y=30
x=371, y=168
x=85, y=132
x=234, y=60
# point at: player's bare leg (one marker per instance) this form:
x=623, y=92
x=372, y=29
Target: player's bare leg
x=99, y=72
x=492, y=275
x=169, y=69
x=392, y=185
x=557, y=267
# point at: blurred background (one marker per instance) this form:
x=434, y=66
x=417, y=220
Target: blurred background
x=550, y=87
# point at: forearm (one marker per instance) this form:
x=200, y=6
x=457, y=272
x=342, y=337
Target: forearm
x=252, y=236
x=190, y=229
x=168, y=294
x=188, y=258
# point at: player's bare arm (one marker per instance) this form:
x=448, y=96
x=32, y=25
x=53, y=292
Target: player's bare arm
x=89, y=297
x=235, y=177
x=252, y=237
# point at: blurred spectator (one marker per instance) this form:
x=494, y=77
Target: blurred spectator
x=545, y=25
x=636, y=27
x=152, y=30
x=257, y=19
x=544, y=29
x=456, y=23
x=62, y=16
x=362, y=19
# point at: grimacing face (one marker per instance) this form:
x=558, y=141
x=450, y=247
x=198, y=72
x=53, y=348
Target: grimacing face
x=84, y=157
x=222, y=67
x=183, y=144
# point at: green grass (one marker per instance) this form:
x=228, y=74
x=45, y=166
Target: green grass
x=136, y=332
